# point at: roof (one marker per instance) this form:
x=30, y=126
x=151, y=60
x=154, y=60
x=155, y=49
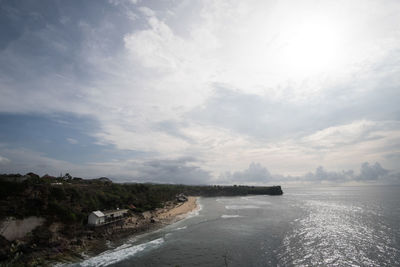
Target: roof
x=114, y=211
x=98, y=213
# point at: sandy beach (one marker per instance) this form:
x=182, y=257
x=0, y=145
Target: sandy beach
x=178, y=212
x=141, y=223
x=172, y=212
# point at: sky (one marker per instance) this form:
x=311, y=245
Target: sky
x=202, y=92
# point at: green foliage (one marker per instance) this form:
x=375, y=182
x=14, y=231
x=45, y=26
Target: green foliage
x=57, y=193
x=41, y=235
x=72, y=202
x=62, y=213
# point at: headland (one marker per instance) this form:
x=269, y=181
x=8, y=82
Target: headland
x=55, y=213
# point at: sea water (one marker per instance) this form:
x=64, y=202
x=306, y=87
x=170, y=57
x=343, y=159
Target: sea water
x=313, y=226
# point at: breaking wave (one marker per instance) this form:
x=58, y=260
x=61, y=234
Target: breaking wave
x=120, y=253
x=225, y=216
x=241, y=207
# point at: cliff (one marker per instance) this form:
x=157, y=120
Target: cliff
x=63, y=204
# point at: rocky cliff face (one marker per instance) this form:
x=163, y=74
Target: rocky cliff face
x=12, y=229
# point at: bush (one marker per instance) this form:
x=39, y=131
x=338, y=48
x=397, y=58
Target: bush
x=41, y=235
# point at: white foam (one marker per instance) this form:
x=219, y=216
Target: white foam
x=254, y=200
x=121, y=253
x=168, y=235
x=226, y=216
x=196, y=211
x=223, y=200
x=260, y=202
x=181, y=228
x=241, y=207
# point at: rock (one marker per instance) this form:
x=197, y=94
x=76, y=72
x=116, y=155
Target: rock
x=181, y=198
x=5, y=246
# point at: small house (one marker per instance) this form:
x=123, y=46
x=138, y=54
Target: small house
x=96, y=218
x=104, y=217
x=181, y=198
x=112, y=214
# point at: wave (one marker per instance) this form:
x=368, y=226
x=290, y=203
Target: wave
x=197, y=210
x=241, y=207
x=255, y=200
x=120, y=253
x=225, y=216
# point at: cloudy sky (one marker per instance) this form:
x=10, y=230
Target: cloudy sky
x=202, y=91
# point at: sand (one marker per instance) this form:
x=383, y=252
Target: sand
x=177, y=212
x=171, y=213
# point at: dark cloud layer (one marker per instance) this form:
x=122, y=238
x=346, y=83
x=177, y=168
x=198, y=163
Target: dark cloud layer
x=182, y=170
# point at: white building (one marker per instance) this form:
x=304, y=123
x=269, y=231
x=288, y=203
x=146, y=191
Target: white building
x=103, y=217
x=96, y=218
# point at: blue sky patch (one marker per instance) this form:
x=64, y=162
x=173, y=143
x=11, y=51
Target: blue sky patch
x=63, y=137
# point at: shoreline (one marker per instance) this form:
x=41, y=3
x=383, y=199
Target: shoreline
x=163, y=216
x=137, y=224
x=178, y=212
x=64, y=204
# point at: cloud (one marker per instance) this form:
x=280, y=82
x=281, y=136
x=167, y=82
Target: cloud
x=367, y=173
x=4, y=160
x=372, y=172
x=147, y=11
x=170, y=80
x=72, y=141
x=25, y=160
x=254, y=174
x=321, y=174
x=123, y=2
x=258, y=174
x=347, y=134
x=182, y=170
x=185, y=170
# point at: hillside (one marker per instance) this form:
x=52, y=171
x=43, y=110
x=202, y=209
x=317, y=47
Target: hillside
x=64, y=204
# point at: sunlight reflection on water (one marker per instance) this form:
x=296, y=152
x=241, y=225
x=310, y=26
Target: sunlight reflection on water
x=339, y=235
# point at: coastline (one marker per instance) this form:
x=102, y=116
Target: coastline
x=179, y=212
x=63, y=206
x=163, y=216
x=134, y=225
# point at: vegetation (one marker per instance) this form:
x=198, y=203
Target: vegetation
x=65, y=202
x=70, y=200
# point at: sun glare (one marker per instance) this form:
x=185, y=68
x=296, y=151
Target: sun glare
x=312, y=47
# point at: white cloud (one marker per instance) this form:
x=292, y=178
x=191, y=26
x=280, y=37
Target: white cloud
x=147, y=11
x=4, y=160
x=342, y=145
x=355, y=132
x=72, y=141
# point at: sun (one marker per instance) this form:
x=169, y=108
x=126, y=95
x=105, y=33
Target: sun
x=312, y=46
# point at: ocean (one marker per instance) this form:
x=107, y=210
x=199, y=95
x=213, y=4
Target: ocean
x=309, y=226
